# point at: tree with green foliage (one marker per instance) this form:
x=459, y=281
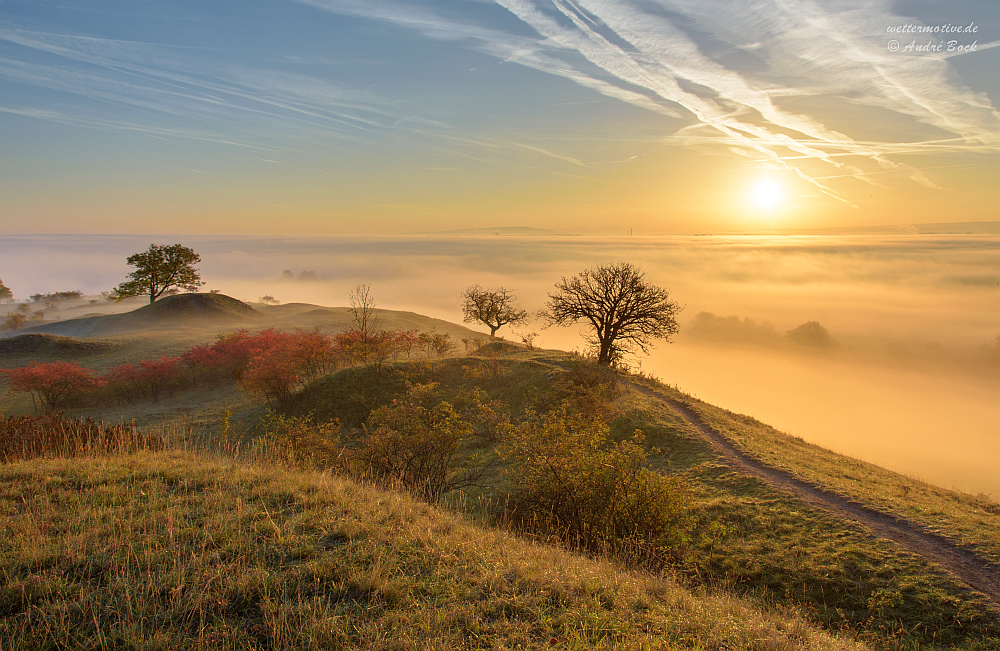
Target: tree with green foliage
x=159, y=269
x=493, y=307
x=626, y=311
x=5, y=292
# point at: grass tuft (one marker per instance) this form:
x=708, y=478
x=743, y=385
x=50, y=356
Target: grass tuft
x=56, y=435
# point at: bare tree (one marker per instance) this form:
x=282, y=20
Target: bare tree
x=493, y=307
x=366, y=321
x=626, y=312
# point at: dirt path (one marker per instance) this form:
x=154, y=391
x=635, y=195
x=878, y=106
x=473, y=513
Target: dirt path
x=965, y=565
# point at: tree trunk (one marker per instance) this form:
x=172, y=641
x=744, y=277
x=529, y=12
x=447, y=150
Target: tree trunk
x=604, y=356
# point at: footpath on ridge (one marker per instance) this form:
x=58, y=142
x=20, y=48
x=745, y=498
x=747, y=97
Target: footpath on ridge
x=965, y=565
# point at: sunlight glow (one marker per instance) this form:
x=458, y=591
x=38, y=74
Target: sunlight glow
x=768, y=195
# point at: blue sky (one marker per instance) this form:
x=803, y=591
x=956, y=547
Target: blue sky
x=324, y=116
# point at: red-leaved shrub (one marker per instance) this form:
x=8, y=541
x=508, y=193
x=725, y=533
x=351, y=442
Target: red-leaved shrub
x=54, y=384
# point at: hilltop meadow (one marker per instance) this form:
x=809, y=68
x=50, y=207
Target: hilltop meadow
x=216, y=474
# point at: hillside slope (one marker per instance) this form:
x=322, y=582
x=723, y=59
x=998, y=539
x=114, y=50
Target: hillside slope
x=177, y=550
x=753, y=535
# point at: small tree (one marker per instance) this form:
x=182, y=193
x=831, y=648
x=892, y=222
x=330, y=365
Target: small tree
x=158, y=269
x=625, y=311
x=366, y=320
x=5, y=292
x=493, y=307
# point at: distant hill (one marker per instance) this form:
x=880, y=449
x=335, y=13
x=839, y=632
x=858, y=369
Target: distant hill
x=182, y=310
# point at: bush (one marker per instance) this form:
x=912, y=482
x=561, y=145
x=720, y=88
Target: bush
x=489, y=418
x=301, y=441
x=129, y=383
x=270, y=363
x=56, y=435
x=435, y=344
x=414, y=445
x=591, y=390
x=55, y=384
x=375, y=348
x=566, y=481
x=271, y=373
x=490, y=372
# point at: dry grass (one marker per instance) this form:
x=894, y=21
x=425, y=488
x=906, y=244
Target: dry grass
x=55, y=435
x=180, y=551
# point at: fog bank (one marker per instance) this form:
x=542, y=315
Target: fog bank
x=906, y=385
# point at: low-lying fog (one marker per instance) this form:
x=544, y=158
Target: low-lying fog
x=908, y=376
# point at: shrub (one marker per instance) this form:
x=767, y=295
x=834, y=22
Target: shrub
x=55, y=384
x=566, y=481
x=271, y=373
x=150, y=379
x=473, y=344
x=376, y=347
x=57, y=296
x=270, y=363
x=301, y=441
x=490, y=372
x=490, y=418
x=223, y=360
x=591, y=389
x=414, y=445
x=435, y=344
x=26, y=437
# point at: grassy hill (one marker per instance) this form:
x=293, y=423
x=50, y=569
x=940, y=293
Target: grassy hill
x=243, y=552
x=45, y=346
x=181, y=310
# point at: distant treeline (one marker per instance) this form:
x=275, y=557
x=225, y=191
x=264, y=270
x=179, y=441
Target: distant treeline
x=733, y=329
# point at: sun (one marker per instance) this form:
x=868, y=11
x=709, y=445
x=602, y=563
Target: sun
x=768, y=195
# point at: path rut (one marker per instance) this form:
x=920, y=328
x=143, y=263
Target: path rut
x=965, y=565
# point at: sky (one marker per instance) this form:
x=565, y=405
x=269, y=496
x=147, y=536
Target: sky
x=349, y=117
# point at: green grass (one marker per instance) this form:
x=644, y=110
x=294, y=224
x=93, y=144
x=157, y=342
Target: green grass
x=184, y=551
